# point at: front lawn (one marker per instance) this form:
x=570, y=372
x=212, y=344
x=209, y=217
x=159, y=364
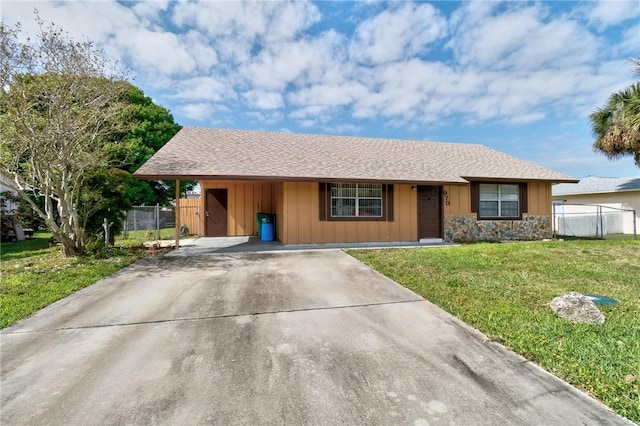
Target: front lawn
x=504, y=290
x=35, y=275
x=137, y=238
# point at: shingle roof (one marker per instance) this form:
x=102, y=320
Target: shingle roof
x=202, y=153
x=595, y=184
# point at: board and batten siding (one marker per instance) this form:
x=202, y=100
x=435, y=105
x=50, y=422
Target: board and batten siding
x=300, y=218
x=244, y=200
x=459, y=199
x=296, y=206
x=456, y=199
x=278, y=206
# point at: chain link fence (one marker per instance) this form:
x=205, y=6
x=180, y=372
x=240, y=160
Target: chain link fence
x=593, y=221
x=155, y=218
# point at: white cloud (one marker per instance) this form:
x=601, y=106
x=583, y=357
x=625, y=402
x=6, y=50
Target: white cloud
x=605, y=13
x=519, y=38
x=302, y=62
x=236, y=26
x=271, y=21
x=202, y=88
x=99, y=21
x=631, y=40
x=329, y=94
x=268, y=118
x=148, y=50
x=199, y=111
x=343, y=129
x=129, y=35
x=314, y=115
x=200, y=50
x=270, y=62
x=150, y=10
x=262, y=99
x=594, y=86
x=317, y=112
x=395, y=34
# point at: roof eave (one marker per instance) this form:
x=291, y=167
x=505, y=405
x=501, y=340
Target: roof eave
x=598, y=192
x=510, y=179
x=146, y=176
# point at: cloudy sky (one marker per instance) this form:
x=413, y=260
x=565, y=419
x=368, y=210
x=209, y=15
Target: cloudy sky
x=521, y=77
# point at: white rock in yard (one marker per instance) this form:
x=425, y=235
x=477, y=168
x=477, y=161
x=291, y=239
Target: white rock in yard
x=576, y=307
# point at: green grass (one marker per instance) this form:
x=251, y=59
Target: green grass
x=34, y=275
x=136, y=238
x=606, y=237
x=504, y=290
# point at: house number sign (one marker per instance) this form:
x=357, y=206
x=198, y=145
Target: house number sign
x=445, y=194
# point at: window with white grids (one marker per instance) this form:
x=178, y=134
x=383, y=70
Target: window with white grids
x=499, y=200
x=356, y=200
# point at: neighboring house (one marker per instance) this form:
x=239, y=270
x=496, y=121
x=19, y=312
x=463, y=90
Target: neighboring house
x=332, y=189
x=575, y=200
x=10, y=228
x=10, y=206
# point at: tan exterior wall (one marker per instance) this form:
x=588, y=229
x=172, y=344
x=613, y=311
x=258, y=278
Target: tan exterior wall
x=540, y=199
x=296, y=206
x=301, y=222
x=457, y=199
x=278, y=204
x=244, y=200
x=460, y=224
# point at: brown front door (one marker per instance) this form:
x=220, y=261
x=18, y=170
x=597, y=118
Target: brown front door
x=216, y=213
x=429, y=211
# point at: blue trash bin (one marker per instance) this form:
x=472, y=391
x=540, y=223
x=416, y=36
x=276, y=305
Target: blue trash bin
x=266, y=231
x=260, y=219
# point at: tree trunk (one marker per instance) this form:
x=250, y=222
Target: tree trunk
x=69, y=247
x=70, y=231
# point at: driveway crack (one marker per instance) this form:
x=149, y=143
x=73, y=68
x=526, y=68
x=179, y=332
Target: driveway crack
x=210, y=317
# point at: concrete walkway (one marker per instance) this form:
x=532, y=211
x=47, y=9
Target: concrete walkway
x=204, y=245
x=309, y=337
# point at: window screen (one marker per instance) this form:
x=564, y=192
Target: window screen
x=499, y=200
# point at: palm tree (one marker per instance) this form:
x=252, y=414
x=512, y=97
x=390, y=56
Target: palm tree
x=616, y=126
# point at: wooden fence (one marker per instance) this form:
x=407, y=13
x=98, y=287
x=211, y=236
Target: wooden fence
x=190, y=215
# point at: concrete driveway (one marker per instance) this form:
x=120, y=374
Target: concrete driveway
x=267, y=338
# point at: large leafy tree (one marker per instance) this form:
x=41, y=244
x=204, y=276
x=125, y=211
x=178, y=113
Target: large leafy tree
x=151, y=127
x=104, y=196
x=108, y=193
x=616, y=126
x=60, y=105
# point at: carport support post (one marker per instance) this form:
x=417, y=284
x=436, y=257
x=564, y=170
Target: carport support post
x=177, y=214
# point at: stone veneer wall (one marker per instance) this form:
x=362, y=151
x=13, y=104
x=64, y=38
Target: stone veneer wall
x=467, y=228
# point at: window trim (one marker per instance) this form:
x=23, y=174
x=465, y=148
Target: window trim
x=522, y=200
x=325, y=205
